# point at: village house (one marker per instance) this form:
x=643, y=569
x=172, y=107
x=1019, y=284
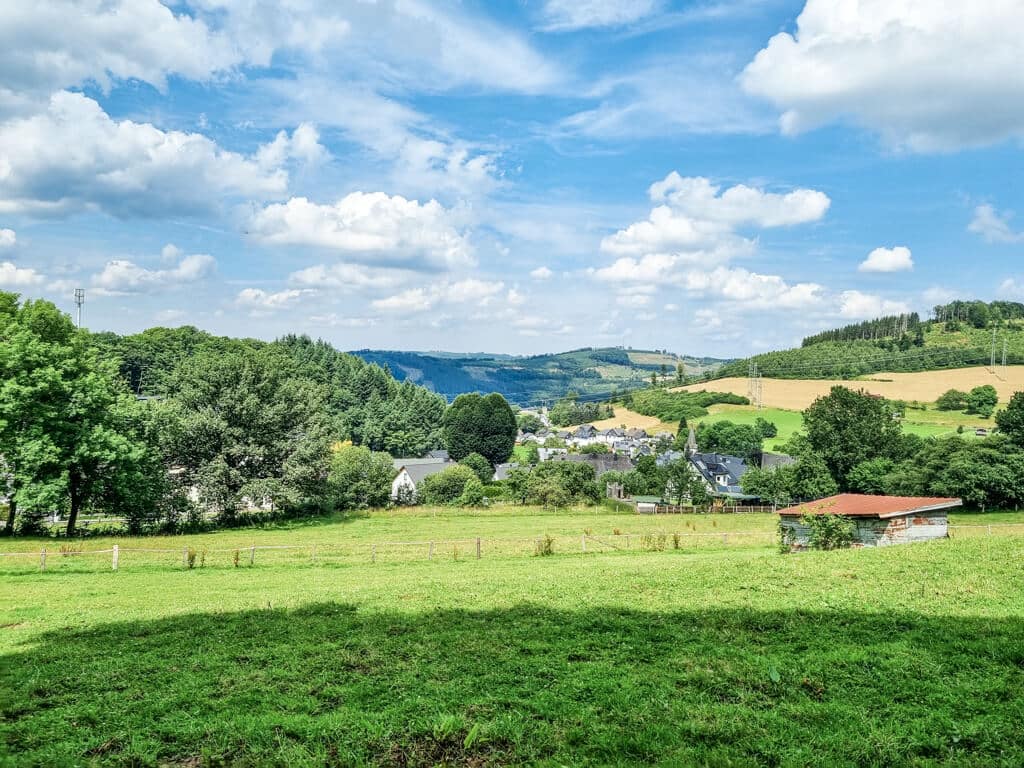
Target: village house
x=878, y=520
x=411, y=473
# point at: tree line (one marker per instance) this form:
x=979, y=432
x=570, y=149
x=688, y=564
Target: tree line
x=852, y=442
x=169, y=427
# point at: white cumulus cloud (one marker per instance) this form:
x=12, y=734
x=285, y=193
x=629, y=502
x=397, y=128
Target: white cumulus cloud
x=12, y=276
x=855, y=305
x=259, y=301
x=470, y=291
x=696, y=217
x=8, y=238
x=896, y=259
x=350, y=277
x=74, y=157
x=370, y=227
x=929, y=75
x=122, y=276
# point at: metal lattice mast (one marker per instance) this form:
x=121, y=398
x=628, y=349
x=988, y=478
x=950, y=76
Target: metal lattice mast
x=79, y=303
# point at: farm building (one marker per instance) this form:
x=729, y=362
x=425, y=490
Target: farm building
x=878, y=520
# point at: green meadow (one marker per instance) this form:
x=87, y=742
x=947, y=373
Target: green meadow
x=926, y=423
x=718, y=652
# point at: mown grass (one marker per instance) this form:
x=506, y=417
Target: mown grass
x=901, y=656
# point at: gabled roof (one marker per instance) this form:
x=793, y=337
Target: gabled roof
x=399, y=463
x=439, y=453
x=715, y=465
x=864, y=505
x=417, y=472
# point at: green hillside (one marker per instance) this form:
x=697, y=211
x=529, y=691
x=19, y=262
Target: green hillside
x=529, y=379
x=900, y=344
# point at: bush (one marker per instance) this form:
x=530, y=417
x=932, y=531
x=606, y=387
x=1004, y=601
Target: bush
x=446, y=486
x=360, y=478
x=982, y=400
x=472, y=494
x=480, y=466
x=828, y=531
x=952, y=400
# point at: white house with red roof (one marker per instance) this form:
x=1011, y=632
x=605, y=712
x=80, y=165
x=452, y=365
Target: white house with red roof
x=878, y=520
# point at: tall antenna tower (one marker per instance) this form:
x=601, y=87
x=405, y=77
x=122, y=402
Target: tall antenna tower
x=79, y=303
x=993, y=364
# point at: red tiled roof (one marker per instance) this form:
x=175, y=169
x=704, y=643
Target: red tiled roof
x=862, y=505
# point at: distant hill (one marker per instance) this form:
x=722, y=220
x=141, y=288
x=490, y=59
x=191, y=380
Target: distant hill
x=963, y=337
x=529, y=379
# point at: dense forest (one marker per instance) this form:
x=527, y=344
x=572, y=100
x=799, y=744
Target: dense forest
x=177, y=427
x=968, y=334
x=892, y=326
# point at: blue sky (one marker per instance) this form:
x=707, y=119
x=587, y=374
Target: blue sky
x=716, y=177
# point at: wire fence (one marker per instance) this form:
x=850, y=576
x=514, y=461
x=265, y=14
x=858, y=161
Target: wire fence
x=77, y=558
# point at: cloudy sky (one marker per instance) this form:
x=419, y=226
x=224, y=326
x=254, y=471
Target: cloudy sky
x=712, y=177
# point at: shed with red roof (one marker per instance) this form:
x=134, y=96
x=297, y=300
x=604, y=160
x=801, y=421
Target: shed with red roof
x=878, y=520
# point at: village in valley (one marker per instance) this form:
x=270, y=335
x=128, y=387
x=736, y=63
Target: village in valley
x=536, y=384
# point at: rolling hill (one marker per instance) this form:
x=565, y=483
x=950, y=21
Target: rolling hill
x=899, y=344
x=528, y=379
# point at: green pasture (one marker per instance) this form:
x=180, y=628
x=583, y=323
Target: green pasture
x=926, y=423
x=725, y=655
x=787, y=422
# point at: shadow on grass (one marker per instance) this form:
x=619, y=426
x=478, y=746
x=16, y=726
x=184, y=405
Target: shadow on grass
x=332, y=685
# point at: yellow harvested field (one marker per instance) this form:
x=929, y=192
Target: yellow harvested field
x=631, y=419
x=926, y=386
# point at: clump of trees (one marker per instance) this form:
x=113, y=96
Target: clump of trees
x=554, y=484
x=744, y=440
x=678, y=406
x=980, y=401
x=853, y=444
x=570, y=411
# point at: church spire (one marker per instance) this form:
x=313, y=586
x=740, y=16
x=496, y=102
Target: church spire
x=691, y=443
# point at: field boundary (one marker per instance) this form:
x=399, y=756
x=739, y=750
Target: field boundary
x=476, y=548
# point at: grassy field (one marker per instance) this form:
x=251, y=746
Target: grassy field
x=787, y=422
x=706, y=656
x=797, y=394
x=929, y=423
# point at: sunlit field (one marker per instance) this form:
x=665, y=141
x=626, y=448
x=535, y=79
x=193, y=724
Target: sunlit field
x=719, y=653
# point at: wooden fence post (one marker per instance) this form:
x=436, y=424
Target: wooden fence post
x=373, y=554
x=725, y=538
x=478, y=548
x=430, y=553
x=42, y=559
x=252, y=555
x=113, y=563
x=583, y=542
x=314, y=553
